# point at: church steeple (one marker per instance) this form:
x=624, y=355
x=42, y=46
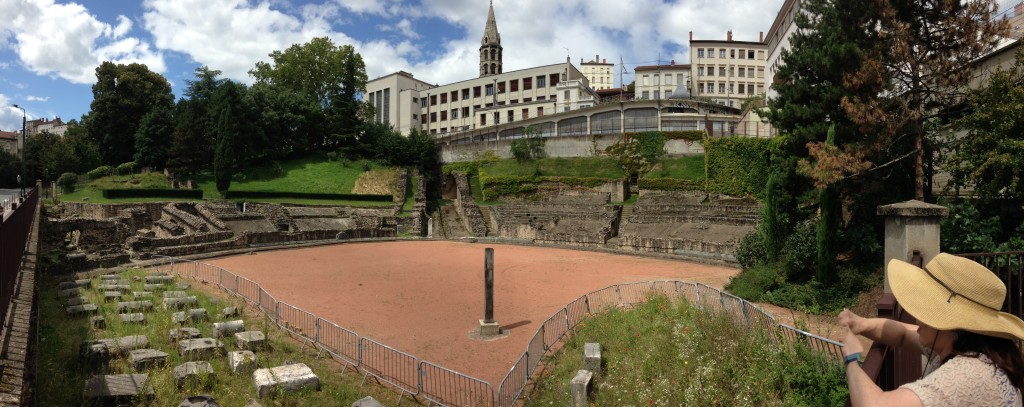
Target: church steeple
x=490, y=46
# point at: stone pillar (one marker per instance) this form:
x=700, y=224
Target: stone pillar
x=909, y=226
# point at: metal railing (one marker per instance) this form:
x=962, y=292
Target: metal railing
x=439, y=385
x=14, y=232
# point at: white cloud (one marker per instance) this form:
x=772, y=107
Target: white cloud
x=65, y=41
x=232, y=35
x=37, y=98
x=10, y=116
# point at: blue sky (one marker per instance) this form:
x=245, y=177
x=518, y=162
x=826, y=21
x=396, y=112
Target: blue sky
x=49, y=49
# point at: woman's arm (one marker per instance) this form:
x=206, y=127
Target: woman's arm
x=886, y=331
x=863, y=391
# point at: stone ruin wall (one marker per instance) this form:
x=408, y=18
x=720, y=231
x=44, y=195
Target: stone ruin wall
x=547, y=222
x=416, y=222
x=473, y=218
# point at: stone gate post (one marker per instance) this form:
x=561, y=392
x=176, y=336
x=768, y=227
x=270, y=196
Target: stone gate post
x=909, y=226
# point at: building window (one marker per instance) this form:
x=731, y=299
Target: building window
x=489, y=90
x=527, y=83
x=700, y=71
x=657, y=94
x=732, y=54
x=721, y=53
x=433, y=100
x=455, y=96
x=700, y=52
x=541, y=82
x=743, y=72
x=711, y=52
x=501, y=87
x=476, y=91
x=483, y=119
x=433, y=117
x=750, y=54
x=465, y=93
x=731, y=88
x=730, y=71
x=415, y=99
x=444, y=115
x=760, y=73
x=657, y=80
x=760, y=55
x=387, y=106
x=497, y=117
x=511, y=118
x=566, y=97
x=514, y=85
x=540, y=98
x=742, y=89
x=527, y=100
x=721, y=71
x=444, y=98
x=743, y=54
x=645, y=95
x=540, y=111
x=526, y=114
x=423, y=119
x=423, y=102
x=455, y=114
x=721, y=87
x=465, y=111
x=646, y=80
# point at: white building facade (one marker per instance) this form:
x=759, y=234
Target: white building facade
x=728, y=72
x=599, y=72
x=659, y=82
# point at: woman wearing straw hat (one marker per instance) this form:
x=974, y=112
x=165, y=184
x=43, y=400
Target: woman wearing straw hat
x=973, y=358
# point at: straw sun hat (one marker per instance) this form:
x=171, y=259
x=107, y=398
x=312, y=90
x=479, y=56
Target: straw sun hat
x=951, y=293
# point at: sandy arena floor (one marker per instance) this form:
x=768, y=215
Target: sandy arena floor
x=423, y=298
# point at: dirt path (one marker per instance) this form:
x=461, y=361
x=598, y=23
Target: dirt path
x=425, y=297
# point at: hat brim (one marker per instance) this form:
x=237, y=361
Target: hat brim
x=933, y=305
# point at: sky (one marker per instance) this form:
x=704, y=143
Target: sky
x=49, y=49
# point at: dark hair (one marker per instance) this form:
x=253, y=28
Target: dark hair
x=1004, y=353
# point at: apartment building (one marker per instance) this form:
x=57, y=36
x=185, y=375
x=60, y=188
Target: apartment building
x=781, y=31
x=599, y=73
x=9, y=141
x=574, y=94
x=658, y=82
x=728, y=71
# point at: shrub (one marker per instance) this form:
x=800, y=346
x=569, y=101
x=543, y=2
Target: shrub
x=528, y=148
x=752, y=283
x=751, y=250
x=331, y=156
x=799, y=252
x=277, y=169
x=67, y=182
x=126, y=169
x=100, y=172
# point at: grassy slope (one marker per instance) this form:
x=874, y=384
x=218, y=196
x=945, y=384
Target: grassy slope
x=664, y=354
x=683, y=167
x=61, y=374
x=93, y=189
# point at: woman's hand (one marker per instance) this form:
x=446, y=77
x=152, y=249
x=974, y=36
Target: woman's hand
x=852, y=321
x=851, y=344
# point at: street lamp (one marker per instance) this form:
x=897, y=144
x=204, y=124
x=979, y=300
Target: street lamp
x=21, y=176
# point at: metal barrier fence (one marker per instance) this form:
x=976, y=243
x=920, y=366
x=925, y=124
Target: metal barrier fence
x=15, y=227
x=419, y=378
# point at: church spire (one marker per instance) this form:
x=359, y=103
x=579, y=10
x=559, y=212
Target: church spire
x=490, y=46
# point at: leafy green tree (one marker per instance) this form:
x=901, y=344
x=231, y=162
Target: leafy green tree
x=10, y=167
x=529, y=147
x=224, y=157
x=914, y=73
x=989, y=158
x=154, y=137
x=122, y=96
x=830, y=210
x=186, y=156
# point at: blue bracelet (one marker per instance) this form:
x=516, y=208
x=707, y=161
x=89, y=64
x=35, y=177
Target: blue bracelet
x=853, y=357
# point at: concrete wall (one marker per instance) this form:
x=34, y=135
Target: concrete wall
x=571, y=146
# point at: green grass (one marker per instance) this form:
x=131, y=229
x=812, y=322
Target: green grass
x=309, y=174
x=93, y=190
x=411, y=187
x=599, y=167
x=683, y=167
x=61, y=374
x=664, y=354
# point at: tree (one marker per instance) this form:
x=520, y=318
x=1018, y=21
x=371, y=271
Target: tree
x=917, y=71
x=188, y=143
x=989, y=157
x=830, y=209
x=228, y=102
x=153, y=138
x=529, y=147
x=122, y=96
x=316, y=70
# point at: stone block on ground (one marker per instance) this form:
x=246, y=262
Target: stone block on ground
x=199, y=401
x=142, y=294
x=175, y=294
x=179, y=303
x=177, y=334
x=579, y=388
x=64, y=285
x=98, y=322
x=110, y=296
x=251, y=340
x=228, y=328
x=118, y=389
x=109, y=277
x=181, y=286
x=84, y=309
x=153, y=287
x=197, y=314
x=72, y=301
x=367, y=402
x=159, y=279
x=230, y=312
x=199, y=348
x=69, y=292
x=95, y=355
x=124, y=288
x=242, y=361
x=143, y=359
x=134, y=318
x=179, y=318
x=592, y=357
x=126, y=306
x=121, y=346
x=198, y=374
x=287, y=378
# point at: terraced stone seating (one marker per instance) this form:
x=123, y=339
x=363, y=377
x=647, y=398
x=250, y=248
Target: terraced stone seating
x=558, y=221
x=687, y=223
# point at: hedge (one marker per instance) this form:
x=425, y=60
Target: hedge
x=670, y=184
x=153, y=193
x=738, y=166
x=307, y=195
